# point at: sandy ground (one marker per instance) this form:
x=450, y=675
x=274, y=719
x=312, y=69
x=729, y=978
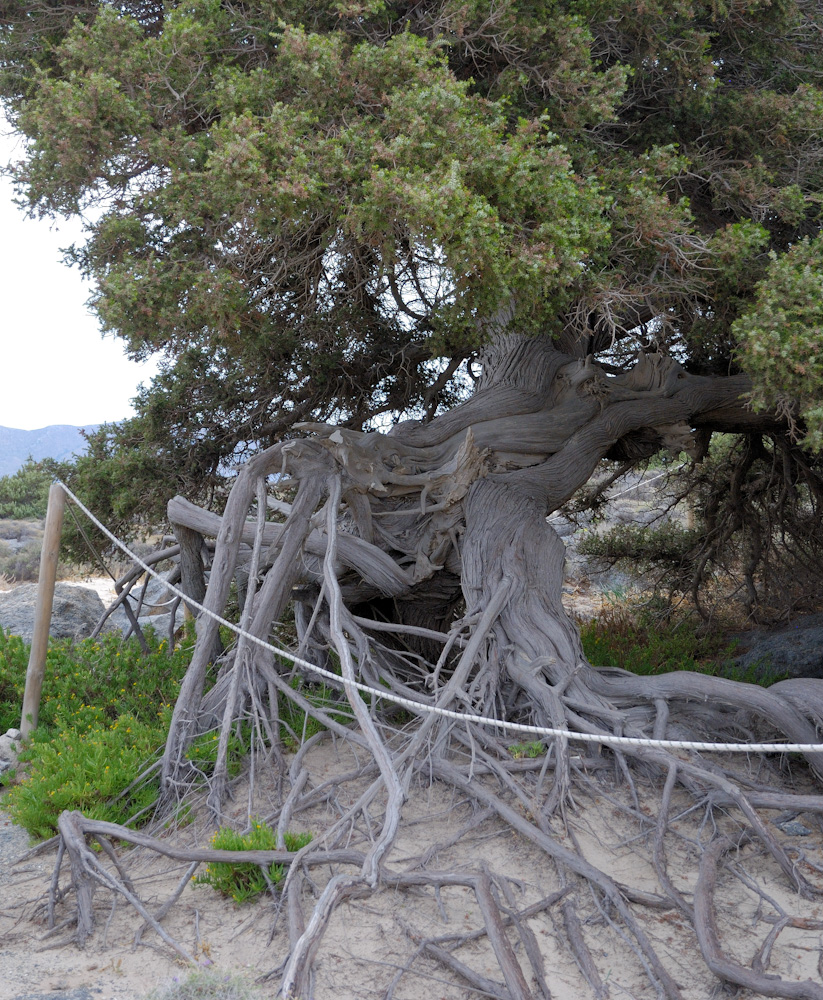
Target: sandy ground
x=370, y=940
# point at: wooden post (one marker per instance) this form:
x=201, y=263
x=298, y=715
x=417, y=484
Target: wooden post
x=42, y=613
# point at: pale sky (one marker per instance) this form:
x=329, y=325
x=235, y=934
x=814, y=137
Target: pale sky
x=55, y=367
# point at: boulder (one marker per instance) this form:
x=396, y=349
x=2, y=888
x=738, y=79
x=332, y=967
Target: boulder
x=118, y=621
x=9, y=745
x=794, y=651
x=75, y=612
x=157, y=597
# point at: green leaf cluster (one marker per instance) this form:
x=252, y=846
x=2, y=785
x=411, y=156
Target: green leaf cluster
x=92, y=682
x=104, y=714
x=245, y=881
x=652, y=640
x=24, y=494
x=641, y=544
x=780, y=338
x=87, y=770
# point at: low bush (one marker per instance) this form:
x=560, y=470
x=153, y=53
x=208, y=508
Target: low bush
x=203, y=751
x=641, y=544
x=93, y=682
x=104, y=714
x=534, y=749
x=207, y=984
x=297, y=726
x=246, y=881
x=651, y=638
x=88, y=770
x=20, y=565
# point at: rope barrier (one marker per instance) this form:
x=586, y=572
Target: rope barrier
x=417, y=706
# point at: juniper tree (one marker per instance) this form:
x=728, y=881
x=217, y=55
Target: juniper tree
x=432, y=263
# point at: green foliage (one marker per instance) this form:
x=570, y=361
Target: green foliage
x=316, y=223
x=534, y=749
x=780, y=338
x=652, y=639
x=126, y=481
x=246, y=881
x=87, y=770
x=24, y=494
x=104, y=714
x=89, y=684
x=297, y=725
x=643, y=544
x=203, y=750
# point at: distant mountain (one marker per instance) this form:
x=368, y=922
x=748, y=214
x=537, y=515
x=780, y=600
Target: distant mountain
x=58, y=441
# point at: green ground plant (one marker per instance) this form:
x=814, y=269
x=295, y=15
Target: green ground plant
x=246, y=881
x=88, y=770
x=651, y=638
x=91, y=683
x=296, y=725
x=203, y=751
x=534, y=749
x=104, y=715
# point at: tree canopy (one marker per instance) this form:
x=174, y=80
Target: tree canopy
x=315, y=210
x=311, y=208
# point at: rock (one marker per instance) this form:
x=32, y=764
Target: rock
x=157, y=604
x=794, y=829
x=9, y=745
x=160, y=623
x=157, y=597
x=75, y=611
x=796, y=651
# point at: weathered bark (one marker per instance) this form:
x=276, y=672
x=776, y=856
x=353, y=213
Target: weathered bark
x=192, y=571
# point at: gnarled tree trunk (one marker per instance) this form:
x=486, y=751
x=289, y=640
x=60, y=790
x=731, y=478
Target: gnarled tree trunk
x=423, y=559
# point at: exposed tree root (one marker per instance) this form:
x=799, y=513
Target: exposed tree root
x=707, y=934
x=421, y=564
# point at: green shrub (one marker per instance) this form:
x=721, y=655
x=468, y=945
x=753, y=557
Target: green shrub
x=104, y=714
x=24, y=494
x=203, y=750
x=245, y=881
x=652, y=640
x=94, y=681
x=534, y=749
x=641, y=544
x=87, y=770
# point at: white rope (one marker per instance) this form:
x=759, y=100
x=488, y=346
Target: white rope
x=417, y=706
